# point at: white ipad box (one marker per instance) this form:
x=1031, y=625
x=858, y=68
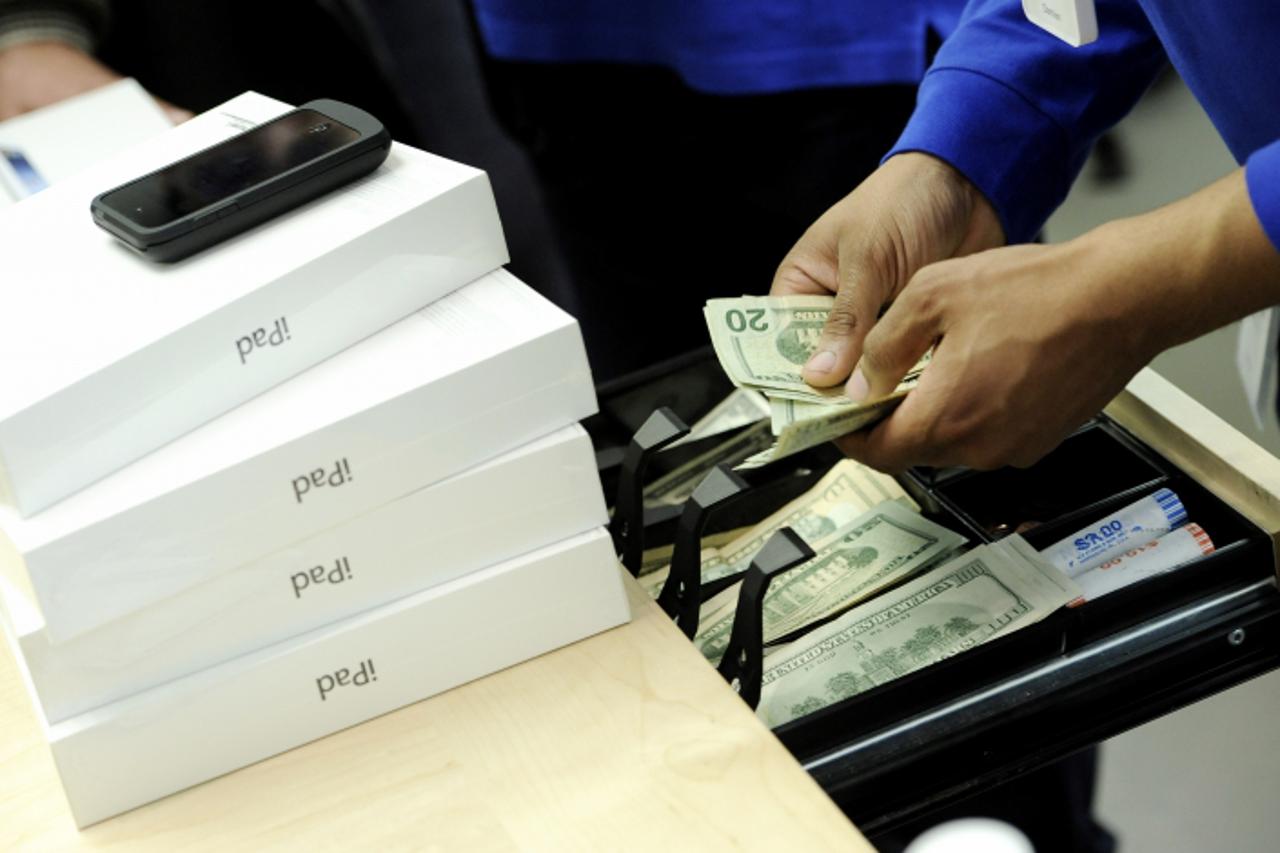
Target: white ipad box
x=542, y=492
x=107, y=355
x=54, y=143
x=128, y=753
x=478, y=373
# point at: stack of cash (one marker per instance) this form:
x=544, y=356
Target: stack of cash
x=876, y=550
x=885, y=593
x=846, y=491
x=763, y=343
x=674, y=488
x=741, y=408
x=988, y=592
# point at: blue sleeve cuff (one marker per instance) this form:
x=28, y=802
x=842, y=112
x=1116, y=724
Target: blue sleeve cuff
x=1262, y=177
x=1017, y=156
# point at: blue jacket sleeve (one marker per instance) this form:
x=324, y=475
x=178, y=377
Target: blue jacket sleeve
x=1262, y=177
x=1016, y=110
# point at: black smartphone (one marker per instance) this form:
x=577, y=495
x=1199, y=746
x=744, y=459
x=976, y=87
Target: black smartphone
x=230, y=187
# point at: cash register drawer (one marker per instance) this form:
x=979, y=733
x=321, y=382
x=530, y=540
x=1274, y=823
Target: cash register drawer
x=1083, y=675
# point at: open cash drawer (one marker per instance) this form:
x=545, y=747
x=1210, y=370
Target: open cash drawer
x=971, y=722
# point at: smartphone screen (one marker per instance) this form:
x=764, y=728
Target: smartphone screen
x=209, y=177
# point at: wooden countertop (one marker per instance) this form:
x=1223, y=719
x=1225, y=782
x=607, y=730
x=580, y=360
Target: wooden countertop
x=626, y=740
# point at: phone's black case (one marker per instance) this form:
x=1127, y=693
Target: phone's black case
x=204, y=228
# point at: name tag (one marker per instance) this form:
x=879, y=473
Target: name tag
x=1073, y=21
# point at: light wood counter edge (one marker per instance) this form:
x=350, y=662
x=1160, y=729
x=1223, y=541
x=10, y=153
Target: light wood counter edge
x=1220, y=457
x=627, y=740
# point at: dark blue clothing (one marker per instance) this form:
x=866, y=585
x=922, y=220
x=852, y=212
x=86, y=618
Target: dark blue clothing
x=1016, y=110
x=724, y=47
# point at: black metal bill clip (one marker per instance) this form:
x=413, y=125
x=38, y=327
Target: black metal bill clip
x=743, y=662
x=627, y=527
x=681, y=595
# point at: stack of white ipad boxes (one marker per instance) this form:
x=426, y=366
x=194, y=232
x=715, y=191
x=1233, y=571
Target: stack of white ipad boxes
x=263, y=494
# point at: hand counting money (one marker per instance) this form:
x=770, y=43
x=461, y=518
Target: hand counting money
x=1140, y=521
x=762, y=343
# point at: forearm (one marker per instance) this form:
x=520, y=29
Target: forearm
x=46, y=52
x=78, y=23
x=1184, y=269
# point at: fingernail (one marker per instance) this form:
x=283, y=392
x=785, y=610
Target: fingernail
x=822, y=362
x=857, y=388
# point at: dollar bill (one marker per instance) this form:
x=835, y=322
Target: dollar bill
x=659, y=556
x=876, y=550
x=675, y=487
x=655, y=563
x=845, y=492
x=786, y=414
x=799, y=426
x=764, y=341
x=653, y=582
x=743, y=406
x=985, y=593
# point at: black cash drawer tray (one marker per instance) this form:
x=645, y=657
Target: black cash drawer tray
x=1007, y=707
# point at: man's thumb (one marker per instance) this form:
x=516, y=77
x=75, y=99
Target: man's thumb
x=840, y=344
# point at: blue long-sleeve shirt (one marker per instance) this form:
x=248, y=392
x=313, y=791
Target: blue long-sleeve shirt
x=1016, y=110
x=740, y=47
